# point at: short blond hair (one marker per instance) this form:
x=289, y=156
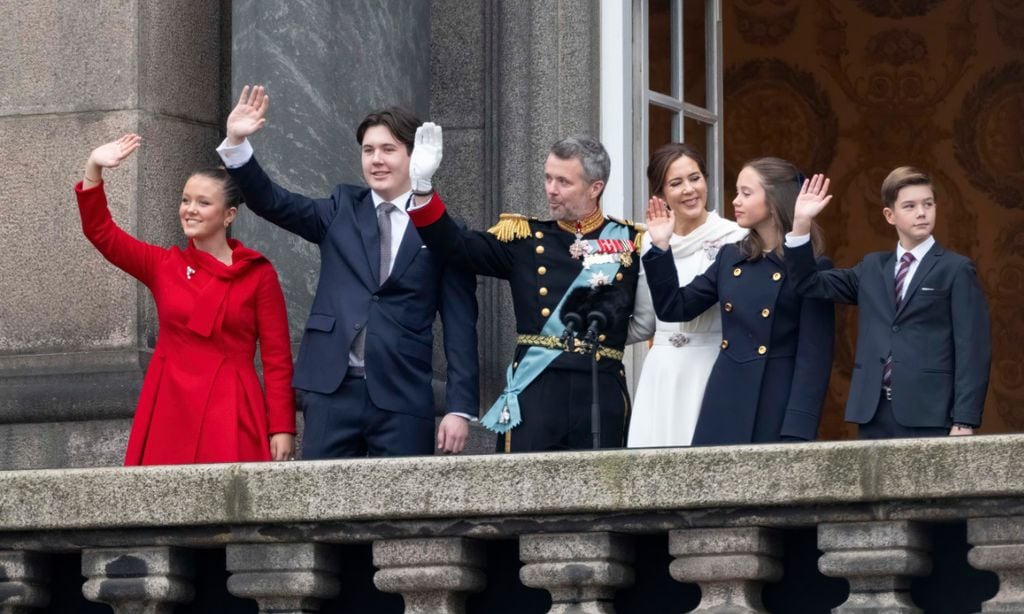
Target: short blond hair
x=900, y=178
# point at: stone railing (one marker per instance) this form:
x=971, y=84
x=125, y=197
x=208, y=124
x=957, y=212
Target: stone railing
x=724, y=514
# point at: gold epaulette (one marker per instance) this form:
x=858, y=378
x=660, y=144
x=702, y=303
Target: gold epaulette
x=511, y=226
x=638, y=227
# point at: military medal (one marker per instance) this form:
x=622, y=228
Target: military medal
x=506, y=417
x=578, y=249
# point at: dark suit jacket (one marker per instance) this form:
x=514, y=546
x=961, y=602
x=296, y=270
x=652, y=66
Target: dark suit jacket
x=399, y=315
x=771, y=375
x=939, y=337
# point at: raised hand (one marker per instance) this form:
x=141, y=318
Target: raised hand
x=110, y=155
x=661, y=221
x=426, y=157
x=812, y=199
x=249, y=115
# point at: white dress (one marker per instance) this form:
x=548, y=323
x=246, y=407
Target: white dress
x=676, y=370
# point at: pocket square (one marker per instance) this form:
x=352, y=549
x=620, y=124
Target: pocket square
x=423, y=247
x=924, y=289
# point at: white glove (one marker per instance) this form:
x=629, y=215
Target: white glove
x=426, y=157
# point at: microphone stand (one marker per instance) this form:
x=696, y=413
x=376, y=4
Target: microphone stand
x=596, y=320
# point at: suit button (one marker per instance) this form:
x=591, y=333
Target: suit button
x=618, y=277
x=543, y=291
x=375, y=298
x=896, y=328
x=762, y=350
x=541, y=270
x=776, y=276
x=766, y=312
x=725, y=343
x=545, y=312
x=727, y=306
x=737, y=272
x=357, y=326
x=539, y=234
x=540, y=249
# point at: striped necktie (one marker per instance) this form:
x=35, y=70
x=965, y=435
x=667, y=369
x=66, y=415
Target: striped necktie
x=901, y=275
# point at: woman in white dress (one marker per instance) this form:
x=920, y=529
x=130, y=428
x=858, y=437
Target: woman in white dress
x=675, y=373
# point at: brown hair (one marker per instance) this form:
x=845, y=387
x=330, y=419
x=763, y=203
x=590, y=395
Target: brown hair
x=664, y=157
x=900, y=178
x=232, y=193
x=401, y=123
x=781, y=181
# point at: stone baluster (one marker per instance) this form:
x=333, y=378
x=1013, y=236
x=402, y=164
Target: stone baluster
x=23, y=581
x=433, y=575
x=290, y=578
x=878, y=559
x=999, y=547
x=144, y=580
x=580, y=570
x=731, y=565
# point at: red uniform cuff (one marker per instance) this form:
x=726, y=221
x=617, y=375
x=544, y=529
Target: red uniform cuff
x=428, y=213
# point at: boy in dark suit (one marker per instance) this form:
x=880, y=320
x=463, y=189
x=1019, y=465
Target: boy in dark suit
x=364, y=368
x=923, y=343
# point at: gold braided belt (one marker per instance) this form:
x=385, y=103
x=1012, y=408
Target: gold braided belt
x=580, y=347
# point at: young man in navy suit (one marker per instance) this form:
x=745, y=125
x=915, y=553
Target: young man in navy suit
x=923, y=343
x=364, y=369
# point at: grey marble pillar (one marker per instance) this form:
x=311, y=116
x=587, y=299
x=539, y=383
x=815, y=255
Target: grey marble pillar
x=731, y=565
x=582, y=571
x=878, y=559
x=433, y=575
x=149, y=580
x=24, y=578
x=999, y=547
x=283, y=578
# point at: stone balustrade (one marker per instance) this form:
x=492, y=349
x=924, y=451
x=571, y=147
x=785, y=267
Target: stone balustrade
x=725, y=515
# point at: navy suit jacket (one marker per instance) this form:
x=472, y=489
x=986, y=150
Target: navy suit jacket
x=939, y=338
x=398, y=315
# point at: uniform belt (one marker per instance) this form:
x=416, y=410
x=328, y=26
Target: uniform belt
x=555, y=343
x=681, y=339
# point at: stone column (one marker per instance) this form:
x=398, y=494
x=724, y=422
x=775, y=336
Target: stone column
x=878, y=559
x=433, y=575
x=23, y=582
x=149, y=580
x=999, y=547
x=580, y=570
x=283, y=578
x=731, y=565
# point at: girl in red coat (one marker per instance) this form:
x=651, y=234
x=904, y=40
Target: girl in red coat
x=201, y=400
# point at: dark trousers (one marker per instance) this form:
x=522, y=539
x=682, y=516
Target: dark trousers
x=884, y=425
x=346, y=424
x=556, y=412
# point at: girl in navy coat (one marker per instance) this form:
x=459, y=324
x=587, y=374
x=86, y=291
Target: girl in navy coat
x=772, y=371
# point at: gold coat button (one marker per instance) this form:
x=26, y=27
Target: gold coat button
x=600, y=338
x=539, y=234
x=540, y=250
x=738, y=271
x=766, y=312
x=776, y=276
x=545, y=312
x=618, y=277
x=725, y=343
x=542, y=270
x=727, y=306
x=597, y=356
x=543, y=291
x=762, y=350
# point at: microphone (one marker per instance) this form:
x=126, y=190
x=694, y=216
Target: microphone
x=608, y=304
x=572, y=313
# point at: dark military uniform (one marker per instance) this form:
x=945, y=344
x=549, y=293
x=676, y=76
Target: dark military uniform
x=772, y=373
x=533, y=255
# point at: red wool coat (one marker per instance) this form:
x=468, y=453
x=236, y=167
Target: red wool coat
x=201, y=400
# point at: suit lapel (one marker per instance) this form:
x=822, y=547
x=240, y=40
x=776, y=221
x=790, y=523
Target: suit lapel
x=927, y=264
x=410, y=246
x=888, y=275
x=366, y=223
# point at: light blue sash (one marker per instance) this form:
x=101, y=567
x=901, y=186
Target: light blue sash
x=505, y=414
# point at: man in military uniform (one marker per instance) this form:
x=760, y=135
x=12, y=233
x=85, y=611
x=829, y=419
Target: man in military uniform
x=547, y=400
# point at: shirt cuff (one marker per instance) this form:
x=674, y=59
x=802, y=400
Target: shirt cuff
x=235, y=156
x=793, y=240
x=462, y=415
